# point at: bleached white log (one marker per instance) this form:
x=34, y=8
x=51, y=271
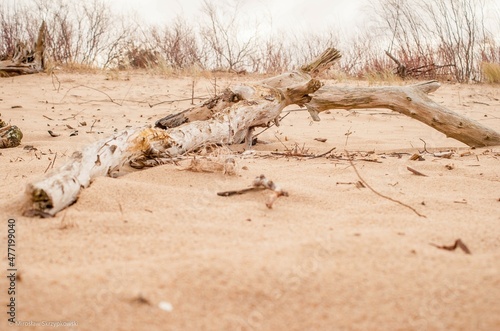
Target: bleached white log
x=61, y=187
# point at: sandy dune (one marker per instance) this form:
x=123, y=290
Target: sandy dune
x=331, y=256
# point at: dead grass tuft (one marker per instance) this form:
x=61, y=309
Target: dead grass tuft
x=382, y=77
x=491, y=72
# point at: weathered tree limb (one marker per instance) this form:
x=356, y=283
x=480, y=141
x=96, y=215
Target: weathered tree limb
x=403, y=71
x=26, y=60
x=401, y=68
x=61, y=187
x=231, y=96
x=411, y=101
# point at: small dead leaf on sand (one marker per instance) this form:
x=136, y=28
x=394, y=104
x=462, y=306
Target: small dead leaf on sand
x=323, y=140
x=458, y=244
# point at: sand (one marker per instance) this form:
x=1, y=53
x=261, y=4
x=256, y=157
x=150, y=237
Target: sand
x=157, y=249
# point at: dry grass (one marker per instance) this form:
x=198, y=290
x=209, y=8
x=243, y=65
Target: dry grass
x=73, y=67
x=491, y=72
x=382, y=77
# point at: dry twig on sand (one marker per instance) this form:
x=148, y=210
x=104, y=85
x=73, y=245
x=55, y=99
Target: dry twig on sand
x=416, y=172
x=377, y=193
x=458, y=244
x=259, y=183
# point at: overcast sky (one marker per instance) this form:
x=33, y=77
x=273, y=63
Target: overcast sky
x=280, y=14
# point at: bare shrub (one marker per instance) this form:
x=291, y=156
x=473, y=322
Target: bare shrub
x=436, y=36
x=16, y=25
x=137, y=57
x=223, y=39
x=177, y=44
x=272, y=56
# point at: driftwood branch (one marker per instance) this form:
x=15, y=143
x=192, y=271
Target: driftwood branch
x=262, y=105
x=231, y=118
x=27, y=60
x=409, y=100
x=232, y=96
x=227, y=119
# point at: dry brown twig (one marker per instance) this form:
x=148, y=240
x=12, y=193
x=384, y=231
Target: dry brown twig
x=458, y=244
x=260, y=183
x=416, y=172
x=377, y=193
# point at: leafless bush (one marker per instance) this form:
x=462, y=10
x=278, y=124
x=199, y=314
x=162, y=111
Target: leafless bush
x=16, y=24
x=223, y=38
x=436, y=36
x=138, y=58
x=429, y=38
x=177, y=44
x=273, y=56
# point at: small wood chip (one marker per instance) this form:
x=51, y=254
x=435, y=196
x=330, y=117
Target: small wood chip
x=445, y=155
x=450, y=166
x=52, y=134
x=141, y=300
x=416, y=172
x=416, y=157
x=14, y=107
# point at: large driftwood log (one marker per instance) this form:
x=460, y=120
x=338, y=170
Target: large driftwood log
x=227, y=119
x=234, y=116
x=261, y=105
x=27, y=60
x=409, y=100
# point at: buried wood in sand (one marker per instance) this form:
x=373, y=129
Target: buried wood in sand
x=230, y=118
